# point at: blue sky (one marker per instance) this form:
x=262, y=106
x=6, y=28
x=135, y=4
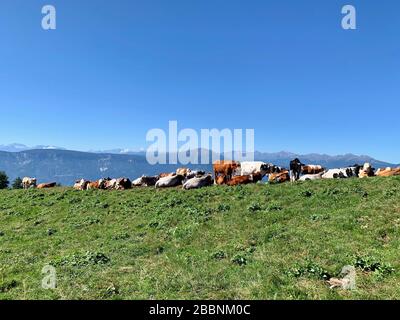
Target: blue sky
x=115, y=69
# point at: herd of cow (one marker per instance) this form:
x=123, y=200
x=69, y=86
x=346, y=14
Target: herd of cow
x=229, y=173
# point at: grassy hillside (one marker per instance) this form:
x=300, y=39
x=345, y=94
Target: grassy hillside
x=250, y=242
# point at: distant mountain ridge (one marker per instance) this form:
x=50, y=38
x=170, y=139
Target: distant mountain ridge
x=18, y=147
x=66, y=166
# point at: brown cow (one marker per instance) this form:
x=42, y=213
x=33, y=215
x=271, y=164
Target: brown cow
x=220, y=180
x=225, y=168
x=252, y=178
x=388, y=172
x=47, y=185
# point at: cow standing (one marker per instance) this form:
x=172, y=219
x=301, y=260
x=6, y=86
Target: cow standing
x=225, y=169
x=295, y=169
x=28, y=183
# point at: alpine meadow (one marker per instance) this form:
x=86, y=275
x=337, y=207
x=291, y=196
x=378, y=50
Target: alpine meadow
x=261, y=241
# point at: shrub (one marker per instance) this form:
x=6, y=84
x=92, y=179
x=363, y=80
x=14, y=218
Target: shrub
x=309, y=270
x=371, y=264
x=3, y=180
x=240, y=260
x=17, y=183
x=254, y=207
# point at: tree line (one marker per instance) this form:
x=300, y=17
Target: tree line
x=4, y=182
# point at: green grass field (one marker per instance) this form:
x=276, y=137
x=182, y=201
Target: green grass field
x=250, y=242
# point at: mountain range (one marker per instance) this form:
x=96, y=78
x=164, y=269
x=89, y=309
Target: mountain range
x=48, y=163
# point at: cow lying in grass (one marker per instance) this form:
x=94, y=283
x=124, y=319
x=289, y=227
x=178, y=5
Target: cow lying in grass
x=145, y=181
x=342, y=173
x=171, y=181
x=47, y=185
x=198, y=182
x=311, y=177
x=388, y=172
x=279, y=177
x=247, y=179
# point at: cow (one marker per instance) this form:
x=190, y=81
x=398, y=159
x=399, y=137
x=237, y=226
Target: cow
x=225, y=168
x=279, y=177
x=388, y=172
x=183, y=171
x=312, y=169
x=110, y=184
x=250, y=167
x=220, y=180
x=195, y=174
x=247, y=179
x=47, y=185
x=200, y=182
x=295, y=169
x=123, y=184
x=93, y=185
x=138, y=182
x=145, y=181
x=366, y=171
x=164, y=175
x=81, y=184
x=171, y=181
x=342, y=173
x=28, y=183
x=308, y=177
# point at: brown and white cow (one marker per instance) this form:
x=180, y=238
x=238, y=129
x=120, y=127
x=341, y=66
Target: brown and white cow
x=279, y=177
x=312, y=169
x=81, y=184
x=93, y=185
x=164, y=175
x=366, y=171
x=110, y=184
x=28, y=183
x=183, y=171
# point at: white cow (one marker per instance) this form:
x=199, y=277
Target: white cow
x=171, y=181
x=307, y=177
x=196, y=183
x=342, y=172
x=250, y=167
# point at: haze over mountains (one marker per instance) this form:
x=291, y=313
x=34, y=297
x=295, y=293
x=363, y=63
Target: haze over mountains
x=48, y=163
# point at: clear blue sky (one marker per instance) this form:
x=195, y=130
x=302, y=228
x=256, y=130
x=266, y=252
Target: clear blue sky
x=115, y=69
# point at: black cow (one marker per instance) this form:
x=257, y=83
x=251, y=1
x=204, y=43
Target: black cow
x=295, y=169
